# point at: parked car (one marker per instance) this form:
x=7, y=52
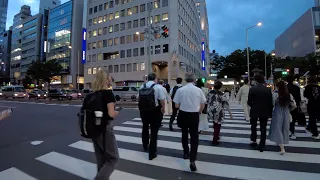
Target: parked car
x=38, y=94
x=59, y=94
x=74, y=94
x=125, y=93
x=13, y=92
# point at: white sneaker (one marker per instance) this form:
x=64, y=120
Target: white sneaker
x=316, y=137
x=293, y=137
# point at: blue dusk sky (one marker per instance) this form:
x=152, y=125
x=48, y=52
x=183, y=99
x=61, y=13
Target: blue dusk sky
x=228, y=20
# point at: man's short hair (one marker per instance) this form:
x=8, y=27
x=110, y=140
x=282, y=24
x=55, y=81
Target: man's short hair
x=246, y=81
x=161, y=82
x=152, y=77
x=179, y=80
x=190, y=77
x=259, y=78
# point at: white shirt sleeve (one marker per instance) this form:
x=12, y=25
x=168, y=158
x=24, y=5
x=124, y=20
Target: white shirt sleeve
x=161, y=94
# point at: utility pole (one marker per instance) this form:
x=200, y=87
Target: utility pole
x=78, y=80
x=149, y=38
x=265, y=66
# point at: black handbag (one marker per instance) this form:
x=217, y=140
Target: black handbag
x=205, y=109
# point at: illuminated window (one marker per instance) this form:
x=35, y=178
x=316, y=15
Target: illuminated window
x=105, y=18
x=110, y=16
x=165, y=17
x=157, y=19
x=99, y=44
x=143, y=66
x=95, y=20
x=135, y=67
x=110, y=42
x=135, y=10
x=89, y=71
x=100, y=57
x=129, y=12
x=94, y=70
x=100, y=31
x=100, y=19
x=110, y=29
x=156, y=4
x=94, y=33
x=117, y=15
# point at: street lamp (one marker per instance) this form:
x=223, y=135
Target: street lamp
x=248, y=60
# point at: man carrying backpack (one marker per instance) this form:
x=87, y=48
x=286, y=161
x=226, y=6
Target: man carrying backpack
x=151, y=106
x=174, y=109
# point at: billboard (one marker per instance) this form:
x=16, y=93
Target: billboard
x=203, y=56
x=84, y=46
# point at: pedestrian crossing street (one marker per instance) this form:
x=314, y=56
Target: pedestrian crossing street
x=232, y=159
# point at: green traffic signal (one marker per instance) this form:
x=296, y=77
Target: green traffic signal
x=203, y=80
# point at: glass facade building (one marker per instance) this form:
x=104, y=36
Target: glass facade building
x=59, y=36
x=3, y=14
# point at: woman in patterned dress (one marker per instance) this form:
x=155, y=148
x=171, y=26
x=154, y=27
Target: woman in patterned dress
x=217, y=103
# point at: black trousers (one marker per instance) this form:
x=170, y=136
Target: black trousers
x=189, y=124
x=174, y=113
x=153, y=120
x=263, y=130
x=294, y=115
x=314, y=115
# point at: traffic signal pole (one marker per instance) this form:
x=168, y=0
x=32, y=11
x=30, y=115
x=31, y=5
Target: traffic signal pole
x=149, y=40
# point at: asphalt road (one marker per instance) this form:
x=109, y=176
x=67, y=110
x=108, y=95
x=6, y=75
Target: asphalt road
x=40, y=141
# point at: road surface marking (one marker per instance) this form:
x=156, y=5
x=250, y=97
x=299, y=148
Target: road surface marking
x=213, y=169
x=81, y=168
x=15, y=174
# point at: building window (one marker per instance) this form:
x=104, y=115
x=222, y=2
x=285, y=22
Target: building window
x=123, y=13
x=135, y=67
x=111, y=4
x=106, y=6
x=129, y=52
x=94, y=45
x=90, y=22
x=110, y=69
x=142, y=51
x=129, y=12
x=129, y=39
x=135, y=23
x=94, y=70
x=141, y=36
x=100, y=7
x=165, y=48
x=156, y=4
x=110, y=16
x=157, y=19
x=100, y=19
x=94, y=58
x=90, y=11
x=122, y=68
x=157, y=49
x=136, y=38
x=142, y=22
x=95, y=21
x=129, y=67
x=100, y=31
x=89, y=71
x=165, y=3
x=116, y=3
x=89, y=46
x=165, y=17
x=135, y=10
x=100, y=57
x=142, y=7
x=95, y=9
x=116, y=28
x=116, y=41
x=122, y=26
x=129, y=24
x=142, y=66
x=123, y=54
x=110, y=42
x=105, y=30
x=116, y=68
x=122, y=40
x=105, y=18
x=105, y=43
x=99, y=44
x=135, y=52
x=110, y=29
x=116, y=15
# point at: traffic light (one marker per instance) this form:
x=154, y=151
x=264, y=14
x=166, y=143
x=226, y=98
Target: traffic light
x=165, y=31
x=288, y=70
x=203, y=80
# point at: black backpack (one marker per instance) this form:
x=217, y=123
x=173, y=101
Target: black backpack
x=147, y=100
x=89, y=125
x=174, y=90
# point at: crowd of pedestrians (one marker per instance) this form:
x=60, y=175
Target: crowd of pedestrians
x=194, y=105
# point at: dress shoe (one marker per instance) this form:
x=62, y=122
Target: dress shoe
x=152, y=156
x=215, y=143
x=193, y=166
x=261, y=149
x=186, y=156
x=253, y=144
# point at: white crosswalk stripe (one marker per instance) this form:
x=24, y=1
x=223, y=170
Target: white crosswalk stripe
x=233, y=158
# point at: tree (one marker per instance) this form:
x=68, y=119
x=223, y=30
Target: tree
x=44, y=71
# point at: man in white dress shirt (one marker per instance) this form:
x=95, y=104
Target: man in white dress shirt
x=191, y=101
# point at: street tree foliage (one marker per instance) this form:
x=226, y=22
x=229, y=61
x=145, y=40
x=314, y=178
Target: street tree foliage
x=40, y=71
x=235, y=64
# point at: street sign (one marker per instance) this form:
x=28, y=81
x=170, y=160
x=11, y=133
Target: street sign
x=278, y=70
x=296, y=70
x=244, y=76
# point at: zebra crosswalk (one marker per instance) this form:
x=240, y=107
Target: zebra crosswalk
x=232, y=159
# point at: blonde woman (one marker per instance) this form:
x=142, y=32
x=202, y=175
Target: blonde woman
x=105, y=145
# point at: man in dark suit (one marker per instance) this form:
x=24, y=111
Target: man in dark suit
x=260, y=101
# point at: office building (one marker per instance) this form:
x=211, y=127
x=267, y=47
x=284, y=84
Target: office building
x=3, y=14
x=316, y=3
x=117, y=40
x=48, y=4
x=302, y=37
x=65, y=41
x=26, y=42
x=205, y=59
x=5, y=54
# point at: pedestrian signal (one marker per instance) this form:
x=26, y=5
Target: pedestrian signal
x=165, y=31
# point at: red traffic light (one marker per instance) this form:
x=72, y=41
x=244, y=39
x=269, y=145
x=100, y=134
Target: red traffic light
x=288, y=70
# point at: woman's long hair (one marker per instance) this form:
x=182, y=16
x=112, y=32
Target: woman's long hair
x=101, y=81
x=283, y=94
